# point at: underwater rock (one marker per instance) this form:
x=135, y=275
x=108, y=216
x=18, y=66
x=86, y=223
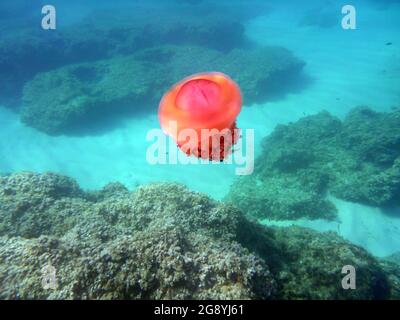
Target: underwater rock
x=277, y=198
x=79, y=96
x=163, y=241
x=356, y=160
x=395, y=258
x=25, y=52
x=160, y=265
x=286, y=184
x=148, y=26
x=391, y=266
x=34, y=204
x=312, y=264
x=372, y=141
x=256, y=70
x=160, y=242
x=75, y=97
x=111, y=190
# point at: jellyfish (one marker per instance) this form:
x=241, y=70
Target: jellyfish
x=199, y=113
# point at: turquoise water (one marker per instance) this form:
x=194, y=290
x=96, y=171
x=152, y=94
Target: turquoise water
x=343, y=69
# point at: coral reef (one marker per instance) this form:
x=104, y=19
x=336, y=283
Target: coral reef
x=356, y=160
x=163, y=241
x=60, y=101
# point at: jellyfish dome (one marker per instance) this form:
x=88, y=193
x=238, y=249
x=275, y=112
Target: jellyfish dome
x=200, y=113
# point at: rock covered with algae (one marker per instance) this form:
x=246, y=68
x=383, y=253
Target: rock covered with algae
x=395, y=257
x=71, y=97
x=160, y=242
x=372, y=143
x=27, y=51
x=312, y=264
x=33, y=204
x=391, y=266
x=357, y=159
x=163, y=241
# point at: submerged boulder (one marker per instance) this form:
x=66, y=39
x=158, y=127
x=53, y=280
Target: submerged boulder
x=78, y=96
x=163, y=241
x=357, y=159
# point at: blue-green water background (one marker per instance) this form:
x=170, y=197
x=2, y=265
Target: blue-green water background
x=346, y=68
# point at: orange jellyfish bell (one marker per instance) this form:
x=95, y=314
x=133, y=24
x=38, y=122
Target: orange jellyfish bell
x=200, y=112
